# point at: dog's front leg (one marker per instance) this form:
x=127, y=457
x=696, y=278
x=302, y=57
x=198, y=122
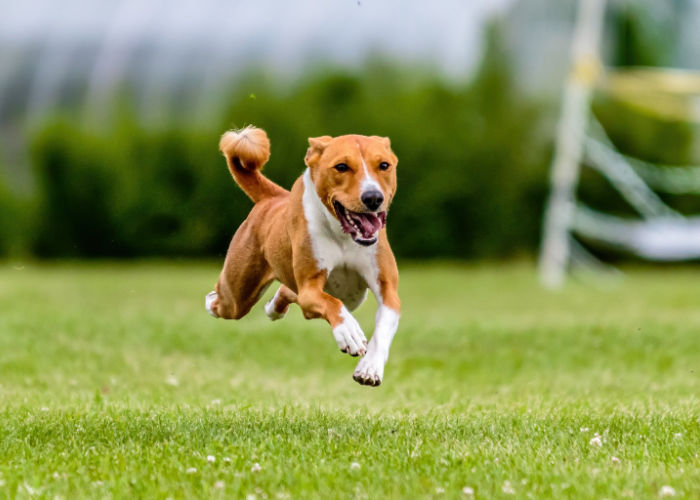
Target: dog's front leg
x=370, y=369
x=315, y=303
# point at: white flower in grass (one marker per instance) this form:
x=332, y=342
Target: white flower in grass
x=596, y=440
x=468, y=490
x=678, y=435
x=172, y=380
x=250, y=496
x=615, y=460
x=355, y=466
x=227, y=460
x=439, y=490
x=584, y=429
x=256, y=467
x=30, y=490
x=667, y=491
x=211, y=459
x=191, y=470
x=219, y=485
x=507, y=488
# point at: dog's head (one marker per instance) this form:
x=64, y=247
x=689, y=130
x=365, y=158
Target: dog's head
x=355, y=178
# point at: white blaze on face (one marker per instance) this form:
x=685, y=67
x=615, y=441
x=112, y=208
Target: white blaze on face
x=368, y=183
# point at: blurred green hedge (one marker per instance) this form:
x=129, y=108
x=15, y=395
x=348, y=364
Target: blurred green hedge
x=473, y=166
x=133, y=192
x=15, y=222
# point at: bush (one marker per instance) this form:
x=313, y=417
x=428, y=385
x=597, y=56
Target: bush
x=135, y=192
x=472, y=166
x=15, y=218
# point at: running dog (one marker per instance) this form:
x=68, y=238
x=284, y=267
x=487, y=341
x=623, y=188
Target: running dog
x=325, y=240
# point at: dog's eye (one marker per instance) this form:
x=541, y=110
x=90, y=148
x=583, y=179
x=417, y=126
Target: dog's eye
x=341, y=167
x=383, y=166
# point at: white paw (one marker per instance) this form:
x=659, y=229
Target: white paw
x=370, y=370
x=208, y=300
x=270, y=310
x=349, y=335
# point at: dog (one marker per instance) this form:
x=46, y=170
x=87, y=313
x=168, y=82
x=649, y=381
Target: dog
x=325, y=240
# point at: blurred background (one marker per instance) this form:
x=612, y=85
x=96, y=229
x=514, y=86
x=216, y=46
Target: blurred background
x=110, y=114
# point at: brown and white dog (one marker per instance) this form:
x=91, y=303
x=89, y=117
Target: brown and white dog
x=324, y=240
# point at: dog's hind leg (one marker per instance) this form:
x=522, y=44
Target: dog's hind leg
x=244, y=278
x=278, y=305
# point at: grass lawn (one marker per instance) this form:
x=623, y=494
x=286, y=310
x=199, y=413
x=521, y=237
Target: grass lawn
x=114, y=382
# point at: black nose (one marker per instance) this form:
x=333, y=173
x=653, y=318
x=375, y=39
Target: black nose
x=372, y=199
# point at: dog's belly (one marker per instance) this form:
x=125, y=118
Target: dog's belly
x=347, y=285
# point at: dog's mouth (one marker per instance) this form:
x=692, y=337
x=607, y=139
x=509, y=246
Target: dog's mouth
x=363, y=227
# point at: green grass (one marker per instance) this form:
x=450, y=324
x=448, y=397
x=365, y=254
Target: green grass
x=114, y=382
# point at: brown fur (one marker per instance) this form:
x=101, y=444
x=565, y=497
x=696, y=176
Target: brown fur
x=246, y=152
x=274, y=242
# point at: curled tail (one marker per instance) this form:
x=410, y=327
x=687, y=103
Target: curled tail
x=246, y=151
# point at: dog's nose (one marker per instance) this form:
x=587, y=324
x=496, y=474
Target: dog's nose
x=372, y=199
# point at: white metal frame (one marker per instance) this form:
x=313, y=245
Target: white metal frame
x=560, y=210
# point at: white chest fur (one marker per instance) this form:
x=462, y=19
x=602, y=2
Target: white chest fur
x=336, y=252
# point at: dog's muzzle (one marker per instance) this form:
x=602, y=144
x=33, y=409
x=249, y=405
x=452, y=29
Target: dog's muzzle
x=363, y=227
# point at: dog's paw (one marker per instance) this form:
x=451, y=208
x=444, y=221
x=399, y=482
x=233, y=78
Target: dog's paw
x=369, y=371
x=349, y=335
x=271, y=312
x=208, y=301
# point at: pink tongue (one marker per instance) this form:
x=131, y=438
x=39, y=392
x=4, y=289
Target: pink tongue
x=369, y=224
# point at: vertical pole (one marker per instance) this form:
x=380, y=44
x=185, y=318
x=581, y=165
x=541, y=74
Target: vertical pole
x=555, y=250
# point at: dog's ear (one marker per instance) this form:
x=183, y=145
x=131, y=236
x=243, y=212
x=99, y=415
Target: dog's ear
x=316, y=147
x=384, y=140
